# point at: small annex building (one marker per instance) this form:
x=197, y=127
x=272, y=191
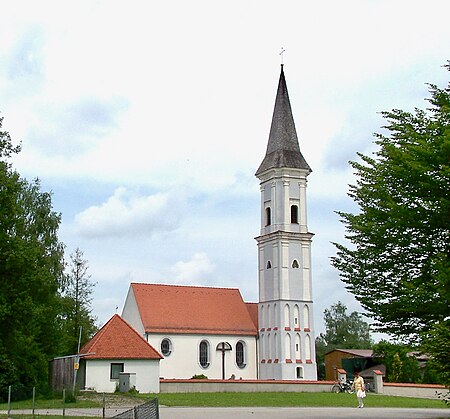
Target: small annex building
x=199, y=330
x=116, y=351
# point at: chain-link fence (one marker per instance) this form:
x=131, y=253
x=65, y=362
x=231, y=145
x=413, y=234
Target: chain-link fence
x=149, y=410
x=38, y=403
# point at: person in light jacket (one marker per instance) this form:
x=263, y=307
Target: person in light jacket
x=358, y=386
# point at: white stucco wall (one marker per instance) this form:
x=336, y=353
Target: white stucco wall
x=183, y=362
x=130, y=312
x=98, y=374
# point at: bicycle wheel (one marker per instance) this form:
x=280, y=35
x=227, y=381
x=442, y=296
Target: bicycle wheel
x=336, y=388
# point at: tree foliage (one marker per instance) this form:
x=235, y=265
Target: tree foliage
x=31, y=270
x=342, y=330
x=76, y=304
x=399, y=360
x=398, y=266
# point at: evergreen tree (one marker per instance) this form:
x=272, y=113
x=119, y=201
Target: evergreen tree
x=76, y=304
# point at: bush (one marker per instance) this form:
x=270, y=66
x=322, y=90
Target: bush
x=199, y=377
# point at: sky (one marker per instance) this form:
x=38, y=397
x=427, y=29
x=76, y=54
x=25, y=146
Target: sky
x=147, y=121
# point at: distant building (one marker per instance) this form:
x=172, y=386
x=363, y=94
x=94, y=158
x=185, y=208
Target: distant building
x=348, y=359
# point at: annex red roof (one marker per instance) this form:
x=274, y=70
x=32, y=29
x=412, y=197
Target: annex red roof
x=193, y=310
x=118, y=340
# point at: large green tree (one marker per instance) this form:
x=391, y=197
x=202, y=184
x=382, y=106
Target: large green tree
x=342, y=330
x=76, y=301
x=31, y=268
x=397, y=265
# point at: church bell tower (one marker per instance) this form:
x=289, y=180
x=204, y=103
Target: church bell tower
x=285, y=309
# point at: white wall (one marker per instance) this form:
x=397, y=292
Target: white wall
x=183, y=362
x=98, y=374
x=130, y=312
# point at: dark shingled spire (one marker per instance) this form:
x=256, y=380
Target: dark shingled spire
x=283, y=149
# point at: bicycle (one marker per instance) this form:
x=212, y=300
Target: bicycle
x=342, y=387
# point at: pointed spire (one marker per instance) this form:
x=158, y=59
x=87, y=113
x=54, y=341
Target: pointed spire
x=283, y=149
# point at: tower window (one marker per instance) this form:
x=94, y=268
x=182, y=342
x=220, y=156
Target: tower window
x=294, y=214
x=268, y=216
x=299, y=372
x=269, y=265
x=295, y=264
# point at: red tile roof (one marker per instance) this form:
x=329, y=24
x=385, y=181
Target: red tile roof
x=118, y=340
x=253, y=311
x=193, y=310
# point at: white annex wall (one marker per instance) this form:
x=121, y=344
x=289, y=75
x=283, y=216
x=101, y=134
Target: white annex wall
x=98, y=374
x=183, y=362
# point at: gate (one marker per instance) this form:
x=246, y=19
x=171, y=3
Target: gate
x=149, y=410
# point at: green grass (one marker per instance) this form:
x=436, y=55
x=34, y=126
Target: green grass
x=245, y=400
x=291, y=400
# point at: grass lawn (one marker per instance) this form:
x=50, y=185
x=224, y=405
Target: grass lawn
x=292, y=400
x=238, y=399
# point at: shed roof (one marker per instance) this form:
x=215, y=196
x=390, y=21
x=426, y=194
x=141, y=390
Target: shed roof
x=361, y=353
x=118, y=340
x=193, y=310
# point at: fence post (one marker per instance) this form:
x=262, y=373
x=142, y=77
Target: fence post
x=64, y=402
x=135, y=412
x=34, y=398
x=9, y=400
x=157, y=407
x=104, y=407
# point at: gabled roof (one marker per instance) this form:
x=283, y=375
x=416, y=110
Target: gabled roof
x=282, y=148
x=193, y=310
x=118, y=340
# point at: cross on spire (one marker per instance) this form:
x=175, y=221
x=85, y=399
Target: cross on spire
x=281, y=54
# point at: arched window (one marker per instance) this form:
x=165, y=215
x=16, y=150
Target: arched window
x=268, y=216
x=166, y=347
x=295, y=264
x=204, y=354
x=296, y=317
x=294, y=214
x=269, y=265
x=240, y=354
x=298, y=349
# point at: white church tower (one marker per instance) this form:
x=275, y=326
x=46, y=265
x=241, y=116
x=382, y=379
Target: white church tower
x=285, y=310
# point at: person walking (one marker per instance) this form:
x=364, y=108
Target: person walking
x=359, y=387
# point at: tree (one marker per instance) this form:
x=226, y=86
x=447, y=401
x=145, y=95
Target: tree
x=399, y=360
x=341, y=331
x=398, y=266
x=31, y=271
x=76, y=304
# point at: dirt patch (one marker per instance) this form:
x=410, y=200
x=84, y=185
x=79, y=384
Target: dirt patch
x=112, y=400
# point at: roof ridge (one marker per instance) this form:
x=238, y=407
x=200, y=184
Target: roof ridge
x=186, y=286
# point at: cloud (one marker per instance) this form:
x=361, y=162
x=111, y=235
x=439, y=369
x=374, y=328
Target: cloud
x=195, y=271
x=72, y=128
x=127, y=213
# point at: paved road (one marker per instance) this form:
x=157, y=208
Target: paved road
x=264, y=413
x=299, y=412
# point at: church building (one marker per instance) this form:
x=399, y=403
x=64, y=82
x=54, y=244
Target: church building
x=212, y=331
